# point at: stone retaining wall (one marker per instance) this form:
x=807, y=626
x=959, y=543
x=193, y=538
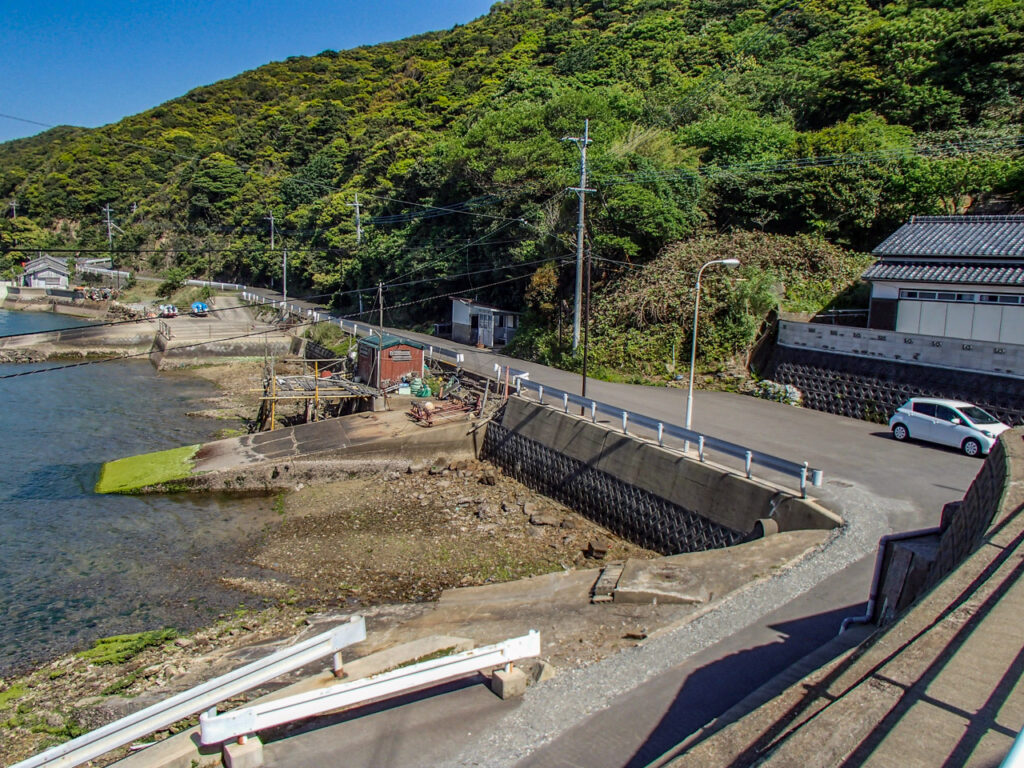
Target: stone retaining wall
x=652, y=496
x=872, y=390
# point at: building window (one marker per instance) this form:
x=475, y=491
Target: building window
x=969, y=298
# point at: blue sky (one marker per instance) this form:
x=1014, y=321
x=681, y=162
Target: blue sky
x=92, y=63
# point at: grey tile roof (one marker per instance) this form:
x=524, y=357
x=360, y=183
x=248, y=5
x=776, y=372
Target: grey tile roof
x=991, y=237
x=960, y=274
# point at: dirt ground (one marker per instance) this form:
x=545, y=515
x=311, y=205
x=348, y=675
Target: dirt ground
x=408, y=536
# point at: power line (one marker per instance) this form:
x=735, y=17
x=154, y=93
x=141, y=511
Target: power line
x=251, y=334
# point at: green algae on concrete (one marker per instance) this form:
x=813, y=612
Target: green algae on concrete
x=134, y=473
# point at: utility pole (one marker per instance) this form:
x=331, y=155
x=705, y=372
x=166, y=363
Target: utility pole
x=380, y=326
x=270, y=218
x=586, y=327
x=110, y=232
x=284, y=279
x=111, y=226
x=14, y=209
x=581, y=191
x=359, y=225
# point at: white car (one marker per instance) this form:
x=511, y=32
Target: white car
x=947, y=422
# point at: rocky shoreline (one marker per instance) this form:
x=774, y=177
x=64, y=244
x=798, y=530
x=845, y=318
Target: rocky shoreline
x=384, y=543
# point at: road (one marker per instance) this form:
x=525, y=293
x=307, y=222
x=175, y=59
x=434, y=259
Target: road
x=628, y=710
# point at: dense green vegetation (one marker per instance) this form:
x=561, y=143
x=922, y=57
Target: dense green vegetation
x=825, y=121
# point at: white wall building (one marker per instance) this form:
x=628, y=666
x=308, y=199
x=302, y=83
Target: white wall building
x=957, y=277
x=474, y=323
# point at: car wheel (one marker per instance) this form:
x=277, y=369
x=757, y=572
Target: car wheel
x=972, y=447
x=900, y=432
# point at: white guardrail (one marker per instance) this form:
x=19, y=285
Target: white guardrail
x=157, y=717
x=751, y=458
x=802, y=472
x=215, y=284
x=216, y=728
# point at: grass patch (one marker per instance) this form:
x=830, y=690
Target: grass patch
x=119, y=648
x=136, y=472
x=121, y=684
x=13, y=693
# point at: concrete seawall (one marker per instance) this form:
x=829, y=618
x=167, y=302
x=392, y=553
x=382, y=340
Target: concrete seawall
x=278, y=460
x=652, y=495
x=189, y=351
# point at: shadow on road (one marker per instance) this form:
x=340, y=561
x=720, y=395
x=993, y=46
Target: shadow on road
x=714, y=688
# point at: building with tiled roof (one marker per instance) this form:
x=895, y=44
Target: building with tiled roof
x=959, y=277
x=46, y=272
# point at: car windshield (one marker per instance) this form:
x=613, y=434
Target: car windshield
x=979, y=416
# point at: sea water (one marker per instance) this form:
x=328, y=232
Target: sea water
x=75, y=565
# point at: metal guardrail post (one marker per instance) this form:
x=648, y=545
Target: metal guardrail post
x=817, y=478
x=565, y=402
x=747, y=462
x=540, y=394
x=661, y=435
x=803, y=482
x=593, y=411
x=700, y=447
x=625, y=421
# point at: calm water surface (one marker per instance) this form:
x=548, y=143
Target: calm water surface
x=75, y=565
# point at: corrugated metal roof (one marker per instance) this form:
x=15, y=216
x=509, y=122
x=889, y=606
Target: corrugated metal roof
x=960, y=274
x=388, y=341
x=957, y=237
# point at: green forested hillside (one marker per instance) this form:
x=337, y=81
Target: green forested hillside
x=828, y=119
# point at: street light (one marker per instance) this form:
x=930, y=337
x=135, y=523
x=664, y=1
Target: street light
x=693, y=348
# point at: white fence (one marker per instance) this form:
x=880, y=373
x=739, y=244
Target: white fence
x=159, y=716
x=216, y=728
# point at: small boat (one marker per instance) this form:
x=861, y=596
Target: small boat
x=168, y=310
x=199, y=309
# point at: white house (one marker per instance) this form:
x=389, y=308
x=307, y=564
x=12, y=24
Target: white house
x=959, y=277
x=46, y=272
x=475, y=323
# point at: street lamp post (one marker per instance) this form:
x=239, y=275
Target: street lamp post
x=693, y=347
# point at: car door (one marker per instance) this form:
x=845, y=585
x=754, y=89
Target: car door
x=947, y=431
x=922, y=425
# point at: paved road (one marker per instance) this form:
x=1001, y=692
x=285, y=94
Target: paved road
x=593, y=717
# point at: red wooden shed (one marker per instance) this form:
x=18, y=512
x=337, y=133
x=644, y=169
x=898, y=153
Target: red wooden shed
x=396, y=357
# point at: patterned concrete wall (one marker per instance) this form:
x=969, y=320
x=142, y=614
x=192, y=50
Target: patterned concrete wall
x=628, y=511
x=873, y=389
x=987, y=501
x=910, y=567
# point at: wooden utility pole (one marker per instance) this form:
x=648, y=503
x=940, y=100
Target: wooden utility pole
x=581, y=191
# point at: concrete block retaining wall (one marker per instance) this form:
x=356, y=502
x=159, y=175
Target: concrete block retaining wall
x=937, y=351
x=910, y=567
x=872, y=390
x=650, y=495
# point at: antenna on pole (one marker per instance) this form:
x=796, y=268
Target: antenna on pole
x=359, y=225
x=581, y=191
